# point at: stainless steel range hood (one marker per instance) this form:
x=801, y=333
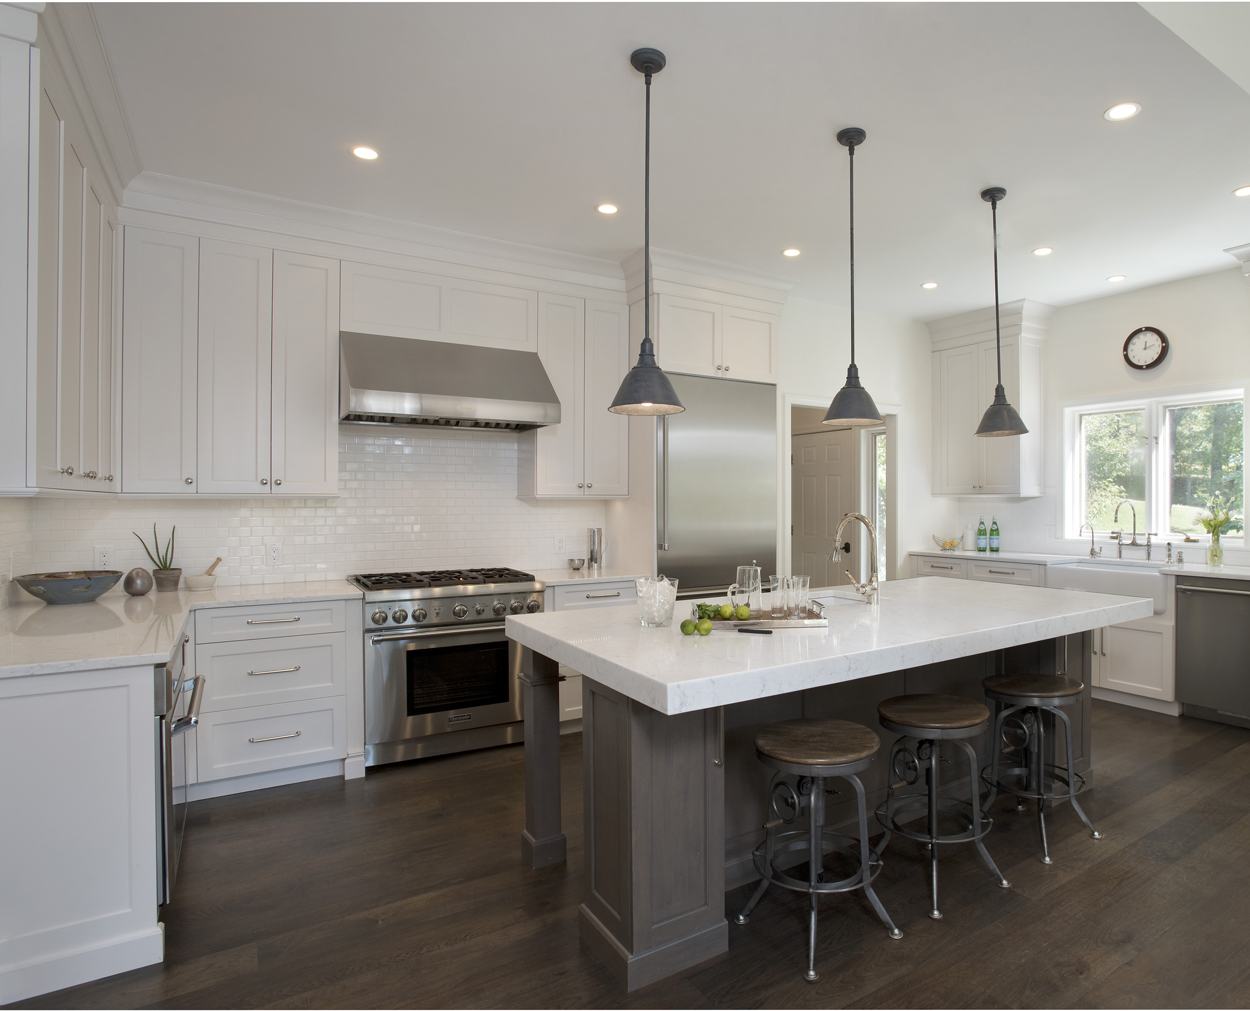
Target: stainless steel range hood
x=397, y=381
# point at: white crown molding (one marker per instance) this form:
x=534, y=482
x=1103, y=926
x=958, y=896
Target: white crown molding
x=680, y=273
x=71, y=34
x=1021, y=318
x=1242, y=255
x=194, y=200
x=20, y=21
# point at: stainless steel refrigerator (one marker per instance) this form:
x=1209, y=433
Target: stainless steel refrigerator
x=716, y=483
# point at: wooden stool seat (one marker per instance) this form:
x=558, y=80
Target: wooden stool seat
x=1034, y=686
x=817, y=742
x=933, y=712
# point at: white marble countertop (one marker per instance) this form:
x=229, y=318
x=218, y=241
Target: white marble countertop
x=122, y=631
x=1201, y=570
x=561, y=577
x=916, y=622
x=1002, y=556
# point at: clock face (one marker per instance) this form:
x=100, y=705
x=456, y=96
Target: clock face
x=1145, y=347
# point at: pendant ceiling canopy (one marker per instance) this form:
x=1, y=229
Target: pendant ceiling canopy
x=646, y=390
x=1000, y=418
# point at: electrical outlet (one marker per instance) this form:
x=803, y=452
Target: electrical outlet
x=559, y=545
x=275, y=553
x=103, y=555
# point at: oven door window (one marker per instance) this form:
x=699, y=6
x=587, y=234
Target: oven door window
x=443, y=678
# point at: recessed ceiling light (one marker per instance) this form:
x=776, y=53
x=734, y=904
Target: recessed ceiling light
x=791, y=252
x=607, y=209
x=365, y=153
x=1242, y=191
x=1043, y=251
x=1116, y=278
x=1122, y=111
x=929, y=285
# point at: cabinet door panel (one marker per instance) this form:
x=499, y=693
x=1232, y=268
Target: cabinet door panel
x=89, y=397
x=159, y=312
x=108, y=427
x=687, y=335
x=558, y=448
x=958, y=406
x=491, y=315
x=394, y=303
x=305, y=374
x=607, y=434
x=70, y=352
x=1135, y=660
x=235, y=347
x=1000, y=457
x=749, y=345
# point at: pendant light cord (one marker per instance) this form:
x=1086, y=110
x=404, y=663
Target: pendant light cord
x=998, y=335
x=646, y=220
x=850, y=150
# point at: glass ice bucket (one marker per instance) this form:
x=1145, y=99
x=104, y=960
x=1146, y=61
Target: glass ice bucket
x=656, y=598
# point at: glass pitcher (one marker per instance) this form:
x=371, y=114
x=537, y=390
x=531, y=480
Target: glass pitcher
x=746, y=588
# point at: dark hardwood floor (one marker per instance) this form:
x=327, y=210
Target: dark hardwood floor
x=406, y=889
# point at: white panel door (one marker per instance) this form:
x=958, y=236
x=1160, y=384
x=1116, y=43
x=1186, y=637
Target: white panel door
x=1000, y=456
x=1135, y=660
x=70, y=347
x=305, y=375
x=748, y=345
x=235, y=354
x=394, y=303
x=558, y=449
x=822, y=491
x=108, y=428
x=607, y=434
x=89, y=391
x=687, y=335
x=490, y=315
x=159, y=312
x=959, y=401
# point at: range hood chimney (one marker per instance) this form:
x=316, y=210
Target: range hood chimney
x=398, y=381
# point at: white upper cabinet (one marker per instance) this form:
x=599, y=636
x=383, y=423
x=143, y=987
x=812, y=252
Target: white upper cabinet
x=235, y=350
x=710, y=339
x=75, y=426
x=583, y=346
x=305, y=375
x=159, y=368
x=965, y=372
x=405, y=303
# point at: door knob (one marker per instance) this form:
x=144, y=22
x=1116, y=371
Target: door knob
x=67, y=471
x=188, y=481
x=277, y=482
x=264, y=480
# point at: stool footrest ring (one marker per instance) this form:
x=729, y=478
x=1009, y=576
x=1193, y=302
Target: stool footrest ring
x=889, y=813
x=1016, y=780
x=796, y=841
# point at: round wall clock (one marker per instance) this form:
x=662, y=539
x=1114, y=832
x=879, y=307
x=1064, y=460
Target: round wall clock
x=1145, y=347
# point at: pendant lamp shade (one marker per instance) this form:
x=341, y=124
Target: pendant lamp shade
x=852, y=405
x=1000, y=418
x=646, y=390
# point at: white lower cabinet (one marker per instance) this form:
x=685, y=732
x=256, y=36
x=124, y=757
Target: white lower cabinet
x=1135, y=659
x=576, y=596
x=243, y=742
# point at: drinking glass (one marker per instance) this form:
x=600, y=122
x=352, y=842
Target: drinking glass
x=656, y=598
x=776, y=597
x=800, y=590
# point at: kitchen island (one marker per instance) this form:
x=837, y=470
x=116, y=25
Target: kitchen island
x=673, y=794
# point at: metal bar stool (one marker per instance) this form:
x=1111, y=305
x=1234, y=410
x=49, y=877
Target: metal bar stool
x=923, y=722
x=805, y=754
x=1025, y=702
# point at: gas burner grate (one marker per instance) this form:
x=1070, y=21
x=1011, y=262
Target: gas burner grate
x=438, y=577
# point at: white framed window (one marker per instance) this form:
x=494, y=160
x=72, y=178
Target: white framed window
x=1166, y=458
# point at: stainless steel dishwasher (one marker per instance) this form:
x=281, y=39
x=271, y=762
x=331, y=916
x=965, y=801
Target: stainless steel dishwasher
x=1213, y=649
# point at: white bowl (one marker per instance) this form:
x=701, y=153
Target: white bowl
x=201, y=582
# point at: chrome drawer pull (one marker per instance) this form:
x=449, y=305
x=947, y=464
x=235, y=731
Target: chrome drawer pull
x=948, y=568
x=272, y=621
x=276, y=670
x=1213, y=589
x=603, y=596
x=276, y=737
x=1000, y=572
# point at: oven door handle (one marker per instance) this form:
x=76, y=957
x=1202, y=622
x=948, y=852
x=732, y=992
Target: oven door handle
x=192, y=719
x=431, y=632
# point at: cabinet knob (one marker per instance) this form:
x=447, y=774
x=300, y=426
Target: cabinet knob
x=188, y=480
x=717, y=368
x=726, y=367
x=67, y=471
x=109, y=478
x=264, y=481
x=91, y=475
x=277, y=482
x=580, y=485
x=589, y=485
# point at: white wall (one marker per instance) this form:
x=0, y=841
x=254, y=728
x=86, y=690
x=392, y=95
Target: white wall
x=409, y=498
x=1207, y=321
x=15, y=547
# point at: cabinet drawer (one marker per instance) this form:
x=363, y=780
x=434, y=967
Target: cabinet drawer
x=951, y=567
x=225, y=624
x=1007, y=572
x=241, y=742
x=276, y=670
x=595, y=594
x=570, y=695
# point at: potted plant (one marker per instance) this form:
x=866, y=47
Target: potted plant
x=163, y=571
x=1218, y=519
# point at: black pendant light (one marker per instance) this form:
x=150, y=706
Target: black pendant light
x=853, y=405
x=645, y=389
x=1000, y=418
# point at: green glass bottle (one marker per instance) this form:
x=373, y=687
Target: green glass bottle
x=982, y=536
x=995, y=536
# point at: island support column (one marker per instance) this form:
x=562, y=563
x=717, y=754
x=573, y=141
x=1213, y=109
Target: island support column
x=654, y=898
x=542, y=840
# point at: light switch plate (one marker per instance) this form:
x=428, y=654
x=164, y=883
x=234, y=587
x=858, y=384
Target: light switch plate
x=274, y=553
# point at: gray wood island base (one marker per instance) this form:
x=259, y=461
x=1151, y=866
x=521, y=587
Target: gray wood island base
x=674, y=796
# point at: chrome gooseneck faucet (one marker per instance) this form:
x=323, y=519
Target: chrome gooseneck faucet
x=1119, y=534
x=869, y=589
x=1093, y=551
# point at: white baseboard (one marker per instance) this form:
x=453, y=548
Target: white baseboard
x=1137, y=702
x=81, y=965
x=354, y=767
x=264, y=780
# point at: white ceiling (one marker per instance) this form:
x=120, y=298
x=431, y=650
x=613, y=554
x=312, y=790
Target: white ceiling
x=515, y=120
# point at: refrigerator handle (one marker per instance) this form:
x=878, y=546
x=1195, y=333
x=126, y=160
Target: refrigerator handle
x=662, y=498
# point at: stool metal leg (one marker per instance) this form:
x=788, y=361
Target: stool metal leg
x=934, y=911
x=976, y=815
x=996, y=747
x=815, y=865
x=1076, y=806
x=1039, y=780
x=865, y=856
x=758, y=894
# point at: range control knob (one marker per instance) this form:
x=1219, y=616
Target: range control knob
x=534, y=605
x=479, y=608
x=460, y=610
x=500, y=609
x=516, y=607
x=399, y=616
x=378, y=617
x=419, y=614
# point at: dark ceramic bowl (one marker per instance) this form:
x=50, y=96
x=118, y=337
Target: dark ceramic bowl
x=69, y=587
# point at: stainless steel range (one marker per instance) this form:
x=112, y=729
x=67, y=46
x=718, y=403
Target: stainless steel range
x=438, y=674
